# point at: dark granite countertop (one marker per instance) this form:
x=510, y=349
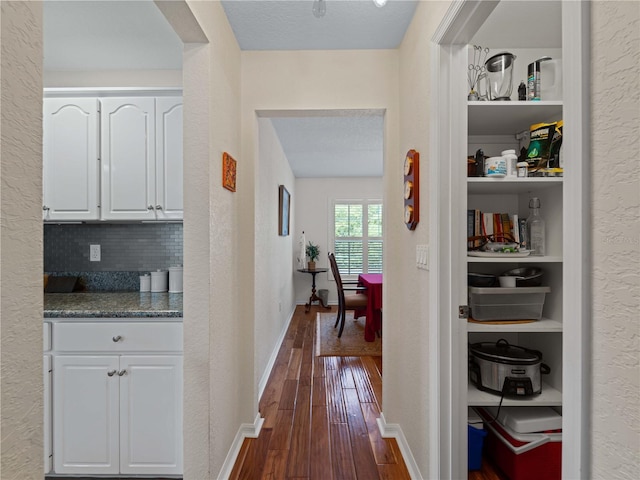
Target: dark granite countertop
x=112, y=305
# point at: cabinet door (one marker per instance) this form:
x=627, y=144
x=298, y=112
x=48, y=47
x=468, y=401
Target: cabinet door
x=85, y=414
x=46, y=373
x=128, y=158
x=70, y=159
x=169, y=158
x=151, y=415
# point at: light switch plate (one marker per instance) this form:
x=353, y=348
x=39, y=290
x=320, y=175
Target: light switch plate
x=422, y=257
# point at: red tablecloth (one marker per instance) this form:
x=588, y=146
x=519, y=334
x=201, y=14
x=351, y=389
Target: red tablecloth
x=373, y=282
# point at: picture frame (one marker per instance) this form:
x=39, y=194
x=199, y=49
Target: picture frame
x=284, y=210
x=229, y=167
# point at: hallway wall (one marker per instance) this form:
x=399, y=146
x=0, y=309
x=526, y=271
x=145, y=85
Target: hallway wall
x=274, y=301
x=275, y=81
x=21, y=404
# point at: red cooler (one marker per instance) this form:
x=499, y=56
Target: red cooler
x=523, y=456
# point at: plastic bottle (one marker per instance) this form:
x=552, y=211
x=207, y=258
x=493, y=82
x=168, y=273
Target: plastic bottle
x=535, y=228
x=512, y=159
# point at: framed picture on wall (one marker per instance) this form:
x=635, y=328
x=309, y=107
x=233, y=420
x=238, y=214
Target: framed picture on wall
x=228, y=172
x=284, y=211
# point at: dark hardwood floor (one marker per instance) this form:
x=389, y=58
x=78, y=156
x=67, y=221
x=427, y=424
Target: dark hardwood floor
x=320, y=417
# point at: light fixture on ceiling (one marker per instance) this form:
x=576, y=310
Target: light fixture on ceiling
x=319, y=8
x=380, y=3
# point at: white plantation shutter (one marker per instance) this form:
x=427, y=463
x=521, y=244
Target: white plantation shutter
x=358, y=236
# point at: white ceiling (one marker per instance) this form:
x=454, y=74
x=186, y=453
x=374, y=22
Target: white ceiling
x=131, y=35
x=291, y=25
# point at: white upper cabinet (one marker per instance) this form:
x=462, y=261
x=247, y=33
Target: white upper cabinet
x=168, y=204
x=112, y=158
x=128, y=158
x=70, y=159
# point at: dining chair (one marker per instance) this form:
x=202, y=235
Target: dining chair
x=354, y=301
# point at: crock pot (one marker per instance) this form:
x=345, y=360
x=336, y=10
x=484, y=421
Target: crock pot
x=505, y=369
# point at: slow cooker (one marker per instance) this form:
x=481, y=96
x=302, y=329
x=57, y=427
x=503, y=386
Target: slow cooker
x=505, y=369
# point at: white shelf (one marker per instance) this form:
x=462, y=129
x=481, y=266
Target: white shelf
x=529, y=259
x=550, y=397
x=498, y=118
x=509, y=185
x=542, y=325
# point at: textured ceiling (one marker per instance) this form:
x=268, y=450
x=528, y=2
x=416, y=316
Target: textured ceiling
x=349, y=145
x=291, y=25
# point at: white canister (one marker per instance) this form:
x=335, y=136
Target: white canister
x=175, y=279
x=145, y=283
x=495, y=167
x=159, y=281
x=512, y=159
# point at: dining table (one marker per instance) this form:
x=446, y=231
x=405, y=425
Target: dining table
x=373, y=312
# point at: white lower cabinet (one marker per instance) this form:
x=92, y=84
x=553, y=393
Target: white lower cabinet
x=118, y=413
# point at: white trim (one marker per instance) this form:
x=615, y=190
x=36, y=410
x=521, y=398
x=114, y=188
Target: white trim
x=53, y=92
x=393, y=430
x=272, y=359
x=576, y=302
x=246, y=430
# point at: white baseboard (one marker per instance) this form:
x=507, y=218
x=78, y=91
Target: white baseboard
x=246, y=430
x=393, y=430
x=272, y=359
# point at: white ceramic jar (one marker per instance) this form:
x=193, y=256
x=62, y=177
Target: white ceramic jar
x=175, y=279
x=159, y=280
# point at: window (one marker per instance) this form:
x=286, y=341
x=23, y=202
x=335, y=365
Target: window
x=358, y=236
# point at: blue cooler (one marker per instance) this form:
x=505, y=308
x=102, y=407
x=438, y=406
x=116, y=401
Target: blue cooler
x=476, y=434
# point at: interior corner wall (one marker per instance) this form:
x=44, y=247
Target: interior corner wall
x=274, y=284
x=218, y=336
x=615, y=255
x=21, y=298
x=406, y=353
x=314, y=201
x=315, y=80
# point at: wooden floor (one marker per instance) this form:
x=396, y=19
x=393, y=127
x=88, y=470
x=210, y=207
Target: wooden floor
x=320, y=417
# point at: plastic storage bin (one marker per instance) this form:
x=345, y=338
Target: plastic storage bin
x=476, y=436
x=519, y=303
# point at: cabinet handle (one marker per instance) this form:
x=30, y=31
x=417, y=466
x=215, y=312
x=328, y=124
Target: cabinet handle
x=45, y=208
x=111, y=373
x=158, y=207
x=150, y=207
x=122, y=372
x=117, y=338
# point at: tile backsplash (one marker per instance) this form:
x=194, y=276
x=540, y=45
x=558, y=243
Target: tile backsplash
x=134, y=247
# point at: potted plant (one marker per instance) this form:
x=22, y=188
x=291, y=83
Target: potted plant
x=313, y=252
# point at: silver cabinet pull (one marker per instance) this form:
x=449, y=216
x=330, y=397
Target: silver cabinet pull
x=150, y=207
x=117, y=338
x=111, y=373
x=122, y=372
x=158, y=207
x=45, y=208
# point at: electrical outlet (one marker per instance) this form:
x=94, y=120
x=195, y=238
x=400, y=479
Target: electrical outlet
x=94, y=253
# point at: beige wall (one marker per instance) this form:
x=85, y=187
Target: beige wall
x=312, y=80
x=615, y=143
x=21, y=241
x=218, y=367
x=274, y=253
x=407, y=357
